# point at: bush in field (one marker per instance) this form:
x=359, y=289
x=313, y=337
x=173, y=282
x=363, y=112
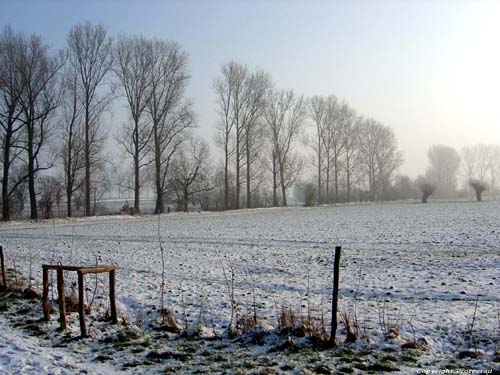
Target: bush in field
x=309, y=195
x=478, y=187
x=426, y=186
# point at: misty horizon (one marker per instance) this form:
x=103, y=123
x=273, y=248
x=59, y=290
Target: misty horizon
x=427, y=70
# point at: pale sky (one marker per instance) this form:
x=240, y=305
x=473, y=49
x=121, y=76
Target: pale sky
x=428, y=69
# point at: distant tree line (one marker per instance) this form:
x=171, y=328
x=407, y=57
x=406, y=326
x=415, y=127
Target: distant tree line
x=54, y=133
x=478, y=168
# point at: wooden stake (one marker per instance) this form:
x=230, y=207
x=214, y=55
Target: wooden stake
x=335, y=293
x=45, y=301
x=112, y=301
x=62, y=299
x=81, y=306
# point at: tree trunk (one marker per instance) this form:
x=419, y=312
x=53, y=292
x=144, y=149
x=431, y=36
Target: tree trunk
x=87, y=160
x=137, y=186
x=282, y=182
x=348, y=179
x=31, y=174
x=249, y=201
x=319, y=177
x=336, y=177
x=5, y=179
x=159, y=209
x=186, y=200
x=237, y=197
x=275, y=182
x=424, y=197
x=328, y=178
x=478, y=195
x=69, y=207
x=226, y=180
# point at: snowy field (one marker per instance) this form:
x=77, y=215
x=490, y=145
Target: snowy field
x=432, y=271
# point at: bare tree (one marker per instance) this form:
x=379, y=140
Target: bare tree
x=338, y=120
x=133, y=59
x=352, y=131
x=482, y=162
x=11, y=88
x=91, y=54
x=380, y=156
x=368, y=146
x=444, y=163
x=190, y=173
x=478, y=187
x=39, y=99
x=257, y=86
x=318, y=114
x=223, y=87
x=426, y=186
x=284, y=115
x=168, y=110
x=388, y=159
x=229, y=90
x=332, y=143
x=72, y=136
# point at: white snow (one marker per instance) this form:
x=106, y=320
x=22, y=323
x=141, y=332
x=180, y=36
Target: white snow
x=423, y=264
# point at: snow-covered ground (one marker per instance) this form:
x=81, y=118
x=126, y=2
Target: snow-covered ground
x=419, y=267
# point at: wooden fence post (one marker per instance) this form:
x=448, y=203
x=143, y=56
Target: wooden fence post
x=81, y=306
x=4, y=279
x=45, y=300
x=112, y=301
x=62, y=299
x=335, y=293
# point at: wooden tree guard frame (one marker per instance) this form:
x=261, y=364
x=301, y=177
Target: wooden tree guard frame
x=81, y=271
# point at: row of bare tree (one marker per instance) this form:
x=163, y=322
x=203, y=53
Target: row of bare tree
x=257, y=130
x=351, y=150
x=52, y=113
x=260, y=130
x=52, y=106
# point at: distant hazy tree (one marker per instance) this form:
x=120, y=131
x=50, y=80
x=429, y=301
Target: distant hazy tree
x=223, y=87
x=426, y=186
x=19, y=194
x=380, y=156
x=342, y=118
x=388, y=159
x=318, y=114
x=50, y=190
x=39, y=99
x=352, y=131
x=91, y=55
x=444, y=163
x=475, y=160
x=332, y=144
x=168, y=110
x=257, y=85
x=240, y=98
x=239, y=76
x=309, y=194
x=482, y=162
x=479, y=187
x=101, y=183
x=11, y=88
x=133, y=61
x=404, y=187
x=284, y=115
x=190, y=172
x=71, y=148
